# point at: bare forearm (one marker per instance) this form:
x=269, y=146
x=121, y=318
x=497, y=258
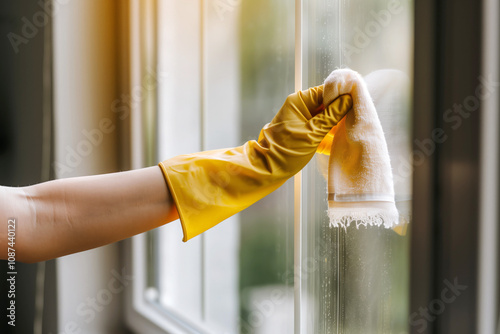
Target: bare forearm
x=15, y=207
x=77, y=214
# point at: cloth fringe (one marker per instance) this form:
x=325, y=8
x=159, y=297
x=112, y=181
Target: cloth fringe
x=366, y=217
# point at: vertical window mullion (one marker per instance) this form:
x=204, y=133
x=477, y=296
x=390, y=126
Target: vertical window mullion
x=203, y=86
x=487, y=311
x=298, y=183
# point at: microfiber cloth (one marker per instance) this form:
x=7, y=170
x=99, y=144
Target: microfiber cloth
x=360, y=179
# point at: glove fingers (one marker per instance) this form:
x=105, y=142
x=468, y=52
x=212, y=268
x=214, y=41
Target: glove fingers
x=324, y=121
x=312, y=99
x=300, y=106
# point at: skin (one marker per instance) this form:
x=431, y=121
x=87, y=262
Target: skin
x=71, y=215
x=67, y=216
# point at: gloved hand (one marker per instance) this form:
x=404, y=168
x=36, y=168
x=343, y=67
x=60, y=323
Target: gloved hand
x=210, y=186
x=325, y=146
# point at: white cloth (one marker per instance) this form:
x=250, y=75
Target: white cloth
x=391, y=94
x=360, y=179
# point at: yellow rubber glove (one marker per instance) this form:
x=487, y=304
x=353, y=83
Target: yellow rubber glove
x=210, y=186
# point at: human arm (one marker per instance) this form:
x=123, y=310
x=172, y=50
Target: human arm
x=65, y=216
x=70, y=215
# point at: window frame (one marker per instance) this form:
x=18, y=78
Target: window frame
x=430, y=57
x=143, y=315
x=448, y=64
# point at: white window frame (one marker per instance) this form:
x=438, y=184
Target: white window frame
x=142, y=314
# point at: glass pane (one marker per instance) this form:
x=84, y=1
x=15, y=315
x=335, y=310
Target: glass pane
x=356, y=280
x=221, y=118
x=227, y=76
x=239, y=277
x=266, y=34
x=179, y=264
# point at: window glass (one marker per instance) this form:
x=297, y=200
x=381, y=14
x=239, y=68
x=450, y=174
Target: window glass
x=230, y=67
x=356, y=280
x=227, y=68
x=178, y=276
x=266, y=35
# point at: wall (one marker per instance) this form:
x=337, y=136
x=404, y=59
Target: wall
x=85, y=86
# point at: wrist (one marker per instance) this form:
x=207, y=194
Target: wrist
x=15, y=206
